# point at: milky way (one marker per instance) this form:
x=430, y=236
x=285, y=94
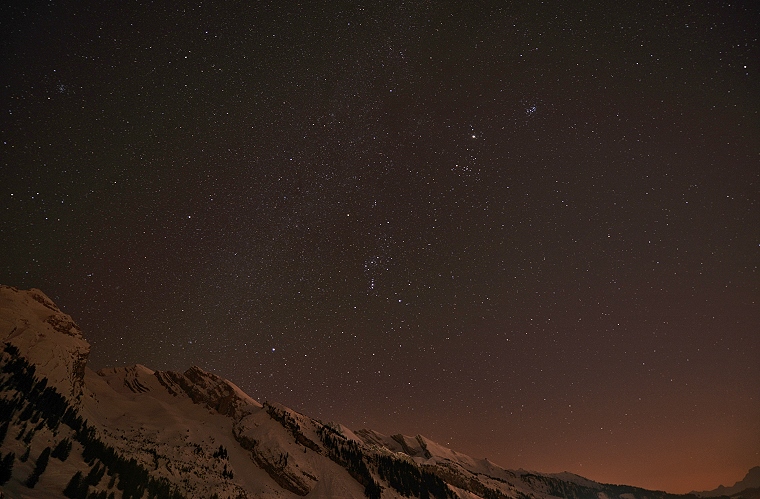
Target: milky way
x=529, y=232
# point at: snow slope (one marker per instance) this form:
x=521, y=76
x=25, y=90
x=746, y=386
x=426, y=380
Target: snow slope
x=133, y=431
x=50, y=339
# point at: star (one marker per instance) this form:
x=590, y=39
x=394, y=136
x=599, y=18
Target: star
x=366, y=158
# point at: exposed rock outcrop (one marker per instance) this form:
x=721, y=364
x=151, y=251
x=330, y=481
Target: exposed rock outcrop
x=46, y=337
x=211, y=390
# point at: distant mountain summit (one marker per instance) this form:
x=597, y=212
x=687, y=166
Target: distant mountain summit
x=133, y=432
x=748, y=487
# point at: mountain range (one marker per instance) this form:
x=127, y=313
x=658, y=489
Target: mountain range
x=134, y=432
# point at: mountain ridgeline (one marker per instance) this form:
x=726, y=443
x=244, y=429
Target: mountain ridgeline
x=133, y=432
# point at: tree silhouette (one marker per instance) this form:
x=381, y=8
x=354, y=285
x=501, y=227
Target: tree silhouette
x=39, y=468
x=75, y=488
x=6, y=467
x=62, y=450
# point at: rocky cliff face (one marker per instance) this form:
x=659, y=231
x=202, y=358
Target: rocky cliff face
x=135, y=432
x=48, y=338
x=208, y=389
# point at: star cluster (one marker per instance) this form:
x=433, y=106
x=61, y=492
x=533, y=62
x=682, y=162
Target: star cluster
x=527, y=231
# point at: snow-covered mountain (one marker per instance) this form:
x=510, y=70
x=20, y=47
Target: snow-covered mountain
x=135, y=432
x=748, y=487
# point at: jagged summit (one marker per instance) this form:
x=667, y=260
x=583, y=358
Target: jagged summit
x=215, y=392
x=750, y=481
x=137, y=432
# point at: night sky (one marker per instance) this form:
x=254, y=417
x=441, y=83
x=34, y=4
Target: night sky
x=528, y=231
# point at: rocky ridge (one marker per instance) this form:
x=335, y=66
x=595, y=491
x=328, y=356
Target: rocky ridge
x=135, y=432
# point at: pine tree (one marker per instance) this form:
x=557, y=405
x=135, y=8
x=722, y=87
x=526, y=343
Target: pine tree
x=6, y=467
x=29, y=436
x=3, y=432
x=74, y=489
x=21, y=433
x=39, y=468
x=95, y=475
x=62, y=450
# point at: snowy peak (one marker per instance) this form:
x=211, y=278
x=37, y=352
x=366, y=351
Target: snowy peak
x=211, y=390
x=203, y=388
x=423, y=450
x=750, y=481
x=46, y=337
x=196, y=434
x=131, y=379
x=414, y=447
x=411, y=446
